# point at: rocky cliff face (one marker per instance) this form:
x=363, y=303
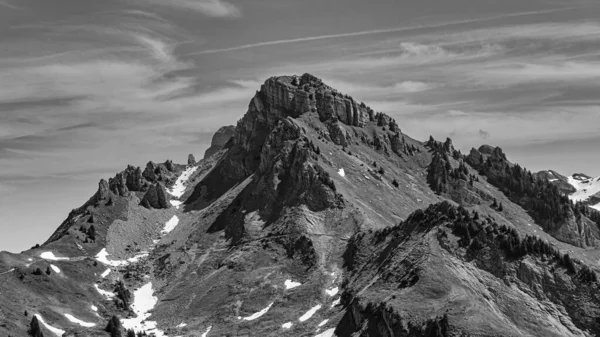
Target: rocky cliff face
x=219, y=139
x=316, y=215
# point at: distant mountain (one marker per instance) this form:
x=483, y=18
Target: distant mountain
x=315, y=216
x=579, y=187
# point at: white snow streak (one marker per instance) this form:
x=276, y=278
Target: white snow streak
x=323, y=323
x=341, y=172
x=170, y=225
x=55, y=268
x=95, y=308
x=207, y=331
x=309, y=313
x=102, y=256
x=258, y=314
x=327, y=333
x=56, y=331
x=289, y=284
x=50, y=256
x=107, y=294
x=176, y=203
x=332, y=292
x=78, y=321
x=105, y=273
x=287, y=325
x=179, y=186
x=181, y=325
x=336, y=302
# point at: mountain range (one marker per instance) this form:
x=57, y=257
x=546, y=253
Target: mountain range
x=317, y=216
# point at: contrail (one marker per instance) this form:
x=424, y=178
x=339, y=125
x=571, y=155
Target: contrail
x=371, y=32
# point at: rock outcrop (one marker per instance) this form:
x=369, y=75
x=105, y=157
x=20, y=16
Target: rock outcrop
x=191, y=160
x=156, y=197
x=219, y=139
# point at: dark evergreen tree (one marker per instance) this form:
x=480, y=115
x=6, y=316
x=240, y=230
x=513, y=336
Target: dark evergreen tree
x=34, y=328
x=114, y=327
x=92, y=233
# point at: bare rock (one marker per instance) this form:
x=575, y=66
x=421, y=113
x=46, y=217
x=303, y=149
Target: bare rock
x=191, y=160
x=156, y=197
x=220, y=138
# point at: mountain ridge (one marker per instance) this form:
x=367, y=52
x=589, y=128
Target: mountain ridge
x=318, y=216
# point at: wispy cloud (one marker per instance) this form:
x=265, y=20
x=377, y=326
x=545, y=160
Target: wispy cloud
x=375, y=31
x=212, y=8
x=8, y=4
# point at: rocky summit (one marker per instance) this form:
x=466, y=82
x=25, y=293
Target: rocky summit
x=316, y=216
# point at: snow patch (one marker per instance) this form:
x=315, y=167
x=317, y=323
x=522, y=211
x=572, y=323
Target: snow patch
x=176, y=203
x=332, y=292
x=55, y=268
x=105, y=273
x=102, y=256
x=289, y=284
x=50, y=256
x=179, y=187
x=336, y=302
x=80, y=322
x=257, y=314
x=207, y=331
x=181, y=325
x=323, y=323
x=341, y=172
x=95, y=308
x=143, y=301
x=171, y=224
x=287, y=325
x=56, y=331
x=103, y=292
x=585, y=188
x=327, y=333
x=309, y=313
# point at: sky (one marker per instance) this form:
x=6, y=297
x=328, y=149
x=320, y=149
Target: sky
x=87, y=86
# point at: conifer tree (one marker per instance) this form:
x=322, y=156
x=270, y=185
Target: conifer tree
x=114, y=327
x=92, y=233
x=34, y=328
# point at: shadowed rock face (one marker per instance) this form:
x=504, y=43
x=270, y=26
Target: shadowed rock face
x=220, y=138
x=380, y=234
x=156, y=197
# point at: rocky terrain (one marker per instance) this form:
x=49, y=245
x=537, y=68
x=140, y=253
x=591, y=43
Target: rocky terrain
x=315, y=216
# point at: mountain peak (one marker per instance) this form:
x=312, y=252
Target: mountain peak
x=315, y=211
